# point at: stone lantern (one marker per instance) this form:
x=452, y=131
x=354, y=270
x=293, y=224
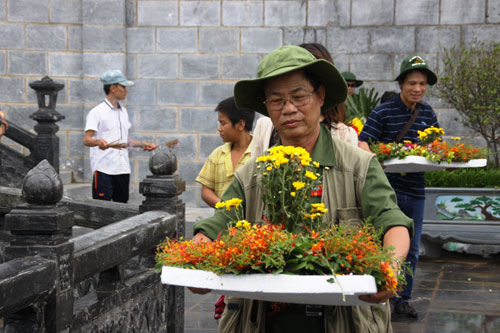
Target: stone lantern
x=46, y=145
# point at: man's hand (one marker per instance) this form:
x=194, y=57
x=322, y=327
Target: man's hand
x=379, y=297
x=200, y=238
x=103, y=144
x=148, y=146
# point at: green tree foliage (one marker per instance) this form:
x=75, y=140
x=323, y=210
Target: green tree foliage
x=470, y=82
x=360, y=104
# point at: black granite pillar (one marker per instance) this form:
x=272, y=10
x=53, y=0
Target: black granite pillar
x=162, y=190
x=42, y=228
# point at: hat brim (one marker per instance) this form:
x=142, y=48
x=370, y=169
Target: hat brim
x=358, y=83
x=431, y=77
x=249, y=94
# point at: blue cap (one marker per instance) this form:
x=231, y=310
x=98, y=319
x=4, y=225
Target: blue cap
x=115, y=76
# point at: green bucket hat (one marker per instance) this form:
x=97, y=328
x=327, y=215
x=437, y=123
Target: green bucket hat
x=349, y=76
x=413, y=62
x=249, y=94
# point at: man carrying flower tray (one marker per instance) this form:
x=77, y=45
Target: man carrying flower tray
x=401, y=119
x=293, y=88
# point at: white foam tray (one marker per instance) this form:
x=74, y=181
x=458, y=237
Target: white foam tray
x=421, y=164
x=301, y=289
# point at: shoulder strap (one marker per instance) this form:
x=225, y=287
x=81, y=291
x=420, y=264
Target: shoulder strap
x=405, y=129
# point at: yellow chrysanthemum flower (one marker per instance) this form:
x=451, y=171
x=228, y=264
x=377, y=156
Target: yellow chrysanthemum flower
x=298, y=185
x=311, y=175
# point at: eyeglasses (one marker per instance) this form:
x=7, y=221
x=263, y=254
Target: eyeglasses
x=276, y=103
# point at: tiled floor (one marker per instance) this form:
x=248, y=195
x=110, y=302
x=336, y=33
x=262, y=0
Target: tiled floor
x=458, y=293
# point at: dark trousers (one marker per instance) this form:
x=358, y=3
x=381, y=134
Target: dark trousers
x=414, y=208
x=110, y=187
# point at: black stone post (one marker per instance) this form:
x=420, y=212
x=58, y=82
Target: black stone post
x=162, y=190
x=41, y=227
x=46, y=145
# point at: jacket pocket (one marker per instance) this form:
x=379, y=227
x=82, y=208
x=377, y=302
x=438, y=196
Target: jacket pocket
x=350, y=216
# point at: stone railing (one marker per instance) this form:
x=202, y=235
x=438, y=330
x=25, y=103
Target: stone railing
x=43, y=145
x=102, y=280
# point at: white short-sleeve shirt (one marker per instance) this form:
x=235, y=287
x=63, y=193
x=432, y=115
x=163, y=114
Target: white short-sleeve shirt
x=111, y=125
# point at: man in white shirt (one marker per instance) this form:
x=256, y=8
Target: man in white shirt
x=106, y=132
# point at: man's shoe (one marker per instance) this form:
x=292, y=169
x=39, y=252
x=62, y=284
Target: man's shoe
x=405, y=309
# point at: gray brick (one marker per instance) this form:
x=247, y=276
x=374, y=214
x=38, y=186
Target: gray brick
x=379, y=12
x=177, y=40
x=242, y=13
x=2, y=11
x=155, y=118
x=473, y=34
x=75, y=90
x=493, y=15
x=462, y=11
x=275, y=13
x=187, y=144
x=190, y=197
x=46, y=37
x=381, y=86
x=199, y=66
x=210, y=142
x=189, y=171
x=177, y=93
x=200, y=13
x=29, y=11
x=66, y=11
x=103, y=38
x=63, y=145
x=142, y=93
x=27, y=63
x=417, y=12
x=3, y=58
x=340, y=40
x=74, y=118
x=20, y=114
x=213, y=92
x=12, y=36
x=75, y=38
x=328, y=12
x=137, y=152
x=261, y=40
x=159, y=66
x=103, y=11
x=131, y=66
x=12, y=90
x=157, y=13
x=297, y=36
x=130, y=13
x=453, y=123
x=392, y=39
x=372, y=66
x=95, y=64
x=240, y=66
x=140, y=40
x=341, y=61
x=92, y=93
x=434, y=39
x=65, y=64
x=198, y=120
x=219, y=40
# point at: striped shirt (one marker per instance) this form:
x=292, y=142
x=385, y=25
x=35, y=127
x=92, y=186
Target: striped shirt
x=384, y=124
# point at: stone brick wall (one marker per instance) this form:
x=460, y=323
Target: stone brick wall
x=186, y=55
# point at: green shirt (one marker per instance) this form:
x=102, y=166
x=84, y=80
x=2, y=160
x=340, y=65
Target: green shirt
x=378, y=200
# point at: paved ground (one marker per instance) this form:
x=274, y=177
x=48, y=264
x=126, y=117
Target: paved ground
x=458, y=293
